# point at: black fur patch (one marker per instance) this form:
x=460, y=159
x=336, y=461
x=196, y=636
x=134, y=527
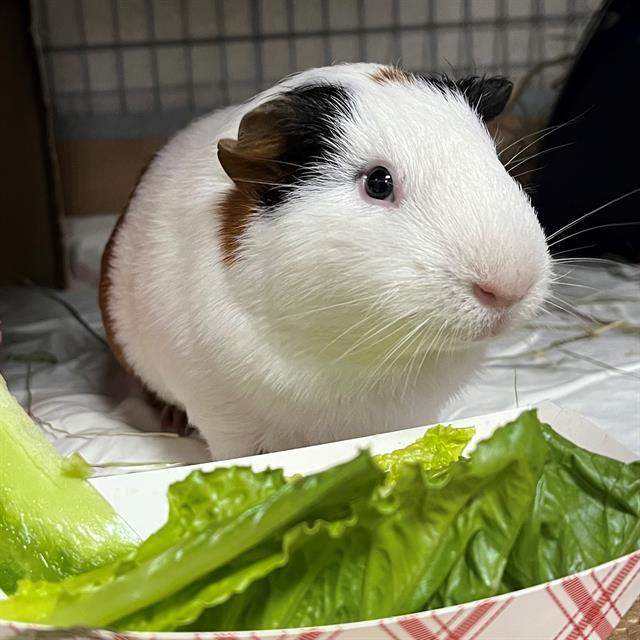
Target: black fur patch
x=310, y=128
x=488, y=96
x=311, y=124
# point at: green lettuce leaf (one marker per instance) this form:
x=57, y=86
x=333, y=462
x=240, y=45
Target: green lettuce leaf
x=115, y=592
x=205, y=500
x=244, y=550
x=202, y=501
x=239, y=577
x=317, y=544
x=53, y=523
x=586, y=512
x=437, y=448
x=430, y=537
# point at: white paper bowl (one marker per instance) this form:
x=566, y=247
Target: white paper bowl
x=584, y=605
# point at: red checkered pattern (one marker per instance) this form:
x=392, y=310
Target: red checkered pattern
x=586, y=606
x=466, y=623
x=590, y=603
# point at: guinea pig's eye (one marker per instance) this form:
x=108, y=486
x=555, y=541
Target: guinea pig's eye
x=378, y=183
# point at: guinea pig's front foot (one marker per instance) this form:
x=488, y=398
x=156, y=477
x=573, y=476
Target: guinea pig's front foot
x=174, y=420
x=227, y=436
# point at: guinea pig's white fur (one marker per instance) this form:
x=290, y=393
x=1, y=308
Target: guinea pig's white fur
x=339, y=317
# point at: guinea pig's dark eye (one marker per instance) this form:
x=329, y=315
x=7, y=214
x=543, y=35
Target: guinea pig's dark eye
x=378, y=183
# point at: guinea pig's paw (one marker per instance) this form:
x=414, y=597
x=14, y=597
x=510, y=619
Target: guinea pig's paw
x=174, y=420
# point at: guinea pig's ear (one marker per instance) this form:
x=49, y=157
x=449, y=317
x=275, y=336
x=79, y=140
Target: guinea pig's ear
x=252, y=159
x=488, y=96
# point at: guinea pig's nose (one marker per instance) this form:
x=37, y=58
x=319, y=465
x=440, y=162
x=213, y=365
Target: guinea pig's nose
x=494, y=296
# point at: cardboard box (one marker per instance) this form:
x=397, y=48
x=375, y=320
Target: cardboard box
x=585, y=605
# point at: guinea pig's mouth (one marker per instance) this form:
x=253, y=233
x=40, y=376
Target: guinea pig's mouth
x=479, y=334
x=495, y=327
x=492, y=323
x=495, y=306
x=471, y=331
x=482, y=325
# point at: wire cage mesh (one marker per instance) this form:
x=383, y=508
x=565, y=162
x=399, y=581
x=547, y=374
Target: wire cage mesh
x=129, y=68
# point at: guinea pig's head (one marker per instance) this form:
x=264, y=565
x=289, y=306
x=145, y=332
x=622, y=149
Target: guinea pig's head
x=372, y=220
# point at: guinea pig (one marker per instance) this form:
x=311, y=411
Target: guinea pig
x=325, y=261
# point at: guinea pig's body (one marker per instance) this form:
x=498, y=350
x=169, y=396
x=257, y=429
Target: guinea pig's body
x=261, y=282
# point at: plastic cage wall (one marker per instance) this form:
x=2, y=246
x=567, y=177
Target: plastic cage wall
x=135, y=68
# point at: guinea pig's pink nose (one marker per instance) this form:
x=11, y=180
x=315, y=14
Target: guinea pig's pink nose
x=494, y=296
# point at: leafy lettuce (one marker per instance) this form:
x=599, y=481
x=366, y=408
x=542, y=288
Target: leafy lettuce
x=437, y=448
x=586, y=511
x=245, y=550
x=424, y=539
x=53, y=523
x=158, y=570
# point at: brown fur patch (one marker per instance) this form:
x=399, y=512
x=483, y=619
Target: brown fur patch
x=172, y=419
x=235, y=211
x=252, y=162
x=104, y=291
x=104, y=287
x=392, y=74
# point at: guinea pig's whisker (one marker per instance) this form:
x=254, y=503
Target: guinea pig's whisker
x=600, y=226
x=308, y=312
x=555, y=234
x=560, y=279
x=513, y=158
x=535, y=133
x=366, y=318
x=372, y=333
x=623, y=270
x=274, y=161
x=560, y=300
x=542, y=309
x=392, y=351
x=557, y=276
x=289, y=164
x=429, y=349
x=266, y=183
x=407, y=347
x=524, y=173
x=441, y=341
x=559, y=253
x=572, y=284
x=582, y=300
x=402, y=352
x=419, y=345
x=586, y=261
x=557, y=307
x=425, y=353
x=544, y=133
x=536, y=155
x=565, y=307
x=422, y=337
x=341, y=335
x=312, y=292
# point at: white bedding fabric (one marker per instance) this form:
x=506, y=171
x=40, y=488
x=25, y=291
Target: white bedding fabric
x=86, y=404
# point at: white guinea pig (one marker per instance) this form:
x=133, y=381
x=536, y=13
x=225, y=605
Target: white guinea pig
x=325, y=261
